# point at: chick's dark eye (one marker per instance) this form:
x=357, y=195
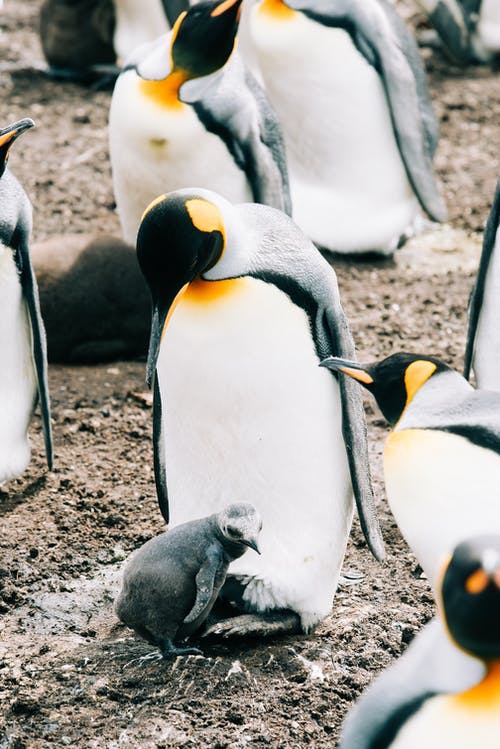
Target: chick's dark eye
x=233, y=532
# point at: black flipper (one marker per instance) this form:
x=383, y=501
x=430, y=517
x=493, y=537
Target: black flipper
x=477, y=297
x=159, y=452
x=206, y=578
x=30, y=294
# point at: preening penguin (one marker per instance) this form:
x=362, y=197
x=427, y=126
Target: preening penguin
x=442, y=458
x=171, y=583
x=469, y=29
x=23, y=372
x=244, y=308
x=360, y=157
x=449, y=697
x=482, y=351
x=180, y=116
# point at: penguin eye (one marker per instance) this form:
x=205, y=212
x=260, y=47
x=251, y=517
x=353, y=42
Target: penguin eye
x=233, y=532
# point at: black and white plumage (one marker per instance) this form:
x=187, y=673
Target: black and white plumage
x=360, y=156
x=240, y=404
x=182, y=114
x=482, y=351
x=171, y=583
x=23, y=372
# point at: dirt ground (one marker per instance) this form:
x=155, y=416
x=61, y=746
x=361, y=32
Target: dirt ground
x=68, y=674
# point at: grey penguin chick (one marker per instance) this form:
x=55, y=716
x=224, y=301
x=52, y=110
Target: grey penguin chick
x=171, y=583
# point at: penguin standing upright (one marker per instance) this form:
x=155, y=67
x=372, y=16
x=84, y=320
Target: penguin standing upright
x=180, y=116
x=360, y=151
x=450, y=696
x=482, y=351
x=244, y=307
x=442, y=458
x=23, y=372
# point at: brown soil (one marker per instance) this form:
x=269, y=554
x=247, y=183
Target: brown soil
x=68, y=675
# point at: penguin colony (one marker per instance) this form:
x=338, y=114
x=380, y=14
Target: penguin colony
x=227, y=195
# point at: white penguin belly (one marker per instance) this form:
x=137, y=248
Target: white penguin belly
x=17, y=374
x=487, y=343
x=448, y=723
x=137, y=23
x=349, y=188
x=441, y=489
x=249, y=416
x=486, y=40
x=155, y=149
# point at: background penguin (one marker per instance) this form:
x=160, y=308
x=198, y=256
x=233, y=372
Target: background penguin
x=93, y=298
x=469, y=29
x=252, y=307
x=360, y=156
x=172, y=124
x=23, y=370
x=482, y=351
x=171, y=583
x=442, y=458
x=455, y=699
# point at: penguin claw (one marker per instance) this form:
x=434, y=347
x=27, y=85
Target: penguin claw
x=350, y=577
x=266, y=624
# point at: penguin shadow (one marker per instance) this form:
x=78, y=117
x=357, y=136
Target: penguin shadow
x=359, y=259
x=9, y=501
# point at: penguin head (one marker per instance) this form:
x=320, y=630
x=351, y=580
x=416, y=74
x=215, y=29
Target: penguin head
x=393, y=381
x=182, y=236
x=240, y=525
x=7, y=137
x=470, y=596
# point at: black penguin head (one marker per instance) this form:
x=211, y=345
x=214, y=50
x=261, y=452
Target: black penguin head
x=240, y=525
x=181, y=235
x=470, y=596
x=7, y=137
x=393, y=381
x=204, y=37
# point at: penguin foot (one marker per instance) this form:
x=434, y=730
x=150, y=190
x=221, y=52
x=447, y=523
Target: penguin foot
x=350, y=577
x=265, y=624
x=154, y=655
x=169, y=650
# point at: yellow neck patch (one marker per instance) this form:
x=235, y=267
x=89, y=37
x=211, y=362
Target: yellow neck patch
x=277, y=10
x=417, y=373
x=165, y=93
x=486, y=694
x=201, y=292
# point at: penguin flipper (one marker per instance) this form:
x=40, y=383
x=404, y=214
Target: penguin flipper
x=354, y=432
x=208, y=575
x=30, y=295
x=448, y=18
x=477, y=296
x=159, y=452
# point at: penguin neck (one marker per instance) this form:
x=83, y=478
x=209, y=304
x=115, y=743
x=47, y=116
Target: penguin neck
x=434, y=396
x=165, y=93
x=486, y=694
x=277, y=10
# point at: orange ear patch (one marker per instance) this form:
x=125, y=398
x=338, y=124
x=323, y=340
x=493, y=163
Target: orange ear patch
x=477, y=582
x=417, y=373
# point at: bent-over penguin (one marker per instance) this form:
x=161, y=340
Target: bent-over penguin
x=442, y=458
x=482, y=351
x=469, y=29
x=171, y=583
x=444, y=693
x=360, y=154
x=23, y=371
x=244, y=308
x=181, y=114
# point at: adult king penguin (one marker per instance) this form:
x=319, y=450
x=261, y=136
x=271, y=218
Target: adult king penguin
x=244, y=307
x=443, y=695
x=360, y=155
x=442, y=458
x=23, y=372
x=180, y=116
x=469, y=29
x=482, y=351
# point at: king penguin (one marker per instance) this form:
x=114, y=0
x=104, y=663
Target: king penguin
x=23, y=371
x=443, y=694
x=442, y=458
x=482, y=351
x=180, y=116
x=360, y=156
x=468, y=29
x=244, y=308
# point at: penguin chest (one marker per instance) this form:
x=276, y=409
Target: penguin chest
x=487, y=342
x=17, y=374
x=159, y=145
x=486, y=40
x=249, y=416
x=345, y=168
x=137, y=24
x=442, y=489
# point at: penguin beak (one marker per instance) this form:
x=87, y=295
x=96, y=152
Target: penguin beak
x=252, y=543
x=159, y=322
x=9, y=134
x=351, y=368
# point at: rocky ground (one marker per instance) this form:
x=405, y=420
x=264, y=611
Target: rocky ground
x=68, y=674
